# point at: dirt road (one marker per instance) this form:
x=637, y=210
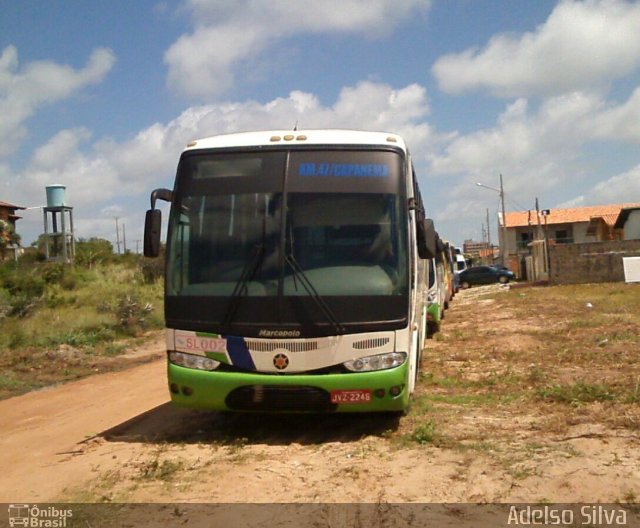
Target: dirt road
x=45, y=434
x=113, y=437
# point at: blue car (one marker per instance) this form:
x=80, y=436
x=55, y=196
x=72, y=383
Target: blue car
x=484, y=275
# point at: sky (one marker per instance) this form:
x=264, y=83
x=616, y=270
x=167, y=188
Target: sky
x=103, y=96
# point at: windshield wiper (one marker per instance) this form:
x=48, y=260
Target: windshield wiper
x=241, y=288
x=313, y=293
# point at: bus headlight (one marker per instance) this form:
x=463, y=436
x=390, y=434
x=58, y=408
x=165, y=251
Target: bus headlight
x=378, y=362
x=193, y=362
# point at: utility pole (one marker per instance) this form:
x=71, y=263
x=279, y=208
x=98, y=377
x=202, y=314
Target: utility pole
x=502, y=223
x=539, y=231
x=124, y=240
x=117, y=235
x=545, y=213
x=488, y=230
x=503, y=249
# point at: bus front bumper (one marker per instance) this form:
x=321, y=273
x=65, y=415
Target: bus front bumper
x=378, y=391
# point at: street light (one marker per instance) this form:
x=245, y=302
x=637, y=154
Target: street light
x=503, y=230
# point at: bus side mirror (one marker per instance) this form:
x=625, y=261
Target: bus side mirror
x=152, y=227
x=153, y=223
x=426, y=238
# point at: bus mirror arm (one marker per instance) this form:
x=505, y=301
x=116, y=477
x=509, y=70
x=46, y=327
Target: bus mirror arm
x=426, y=238
x=414, y=206
x=440, y=247
x=153, y=223
x=161, y=194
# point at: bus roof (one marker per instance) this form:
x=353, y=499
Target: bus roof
x=299, y=137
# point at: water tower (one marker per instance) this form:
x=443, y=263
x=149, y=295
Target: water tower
x=58, y=226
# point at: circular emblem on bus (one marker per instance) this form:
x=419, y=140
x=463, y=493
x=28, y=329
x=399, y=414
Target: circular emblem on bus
x=280, y=361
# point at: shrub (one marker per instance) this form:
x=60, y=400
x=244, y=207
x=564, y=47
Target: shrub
x=86, y=337
x=152, y=270
x=132, y=313
x=17, y=339
x=5, y=303
x=22, y=290
x=53, y=272
x=25, y=283
x=93, y=251
x=22, y=305
x=425, y=433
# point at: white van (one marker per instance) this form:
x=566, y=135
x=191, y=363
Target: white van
x=461, y=263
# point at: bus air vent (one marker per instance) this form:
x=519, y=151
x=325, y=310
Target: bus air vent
x=291, y=346
x=374, y=342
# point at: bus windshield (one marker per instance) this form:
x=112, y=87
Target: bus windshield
x=265, y=233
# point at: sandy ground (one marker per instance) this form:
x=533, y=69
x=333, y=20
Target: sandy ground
x=115, y=438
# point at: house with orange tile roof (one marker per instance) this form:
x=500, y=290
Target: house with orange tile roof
x=563, y=226
x=9, y=241
x=629, y=221
x=8, y=212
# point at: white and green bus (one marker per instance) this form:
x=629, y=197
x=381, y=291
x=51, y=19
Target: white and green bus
x=295, y=272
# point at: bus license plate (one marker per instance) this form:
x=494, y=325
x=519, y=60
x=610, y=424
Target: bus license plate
x=351, y=396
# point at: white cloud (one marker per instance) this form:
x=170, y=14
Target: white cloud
x=546, y=152
x=59, y=149
x=583, y=43
x=24, y=90
x=112, y=210
x=620, y=122
x=535, y=147
x=89, y=178
x=106, y=174
x=538, y=151
x=284, y=16
x=622, y=188
x=201, y=64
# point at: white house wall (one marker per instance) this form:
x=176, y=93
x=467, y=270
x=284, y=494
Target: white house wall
x=580, y=233
x=632, y=226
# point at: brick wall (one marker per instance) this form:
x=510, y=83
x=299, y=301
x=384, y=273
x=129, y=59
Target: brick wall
x=590, y=262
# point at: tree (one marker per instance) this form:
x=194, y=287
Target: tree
x=93, y=251
x=8, y=237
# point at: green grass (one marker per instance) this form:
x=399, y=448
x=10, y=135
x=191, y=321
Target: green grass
x=156, y=469
x=8, y=383
x=474, y=399
x=425, y=433
x=536, y=359
x=577, y=393
x=58, y=322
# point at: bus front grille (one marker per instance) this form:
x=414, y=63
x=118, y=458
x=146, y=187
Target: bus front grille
x=291, y=346
x=283, y=398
